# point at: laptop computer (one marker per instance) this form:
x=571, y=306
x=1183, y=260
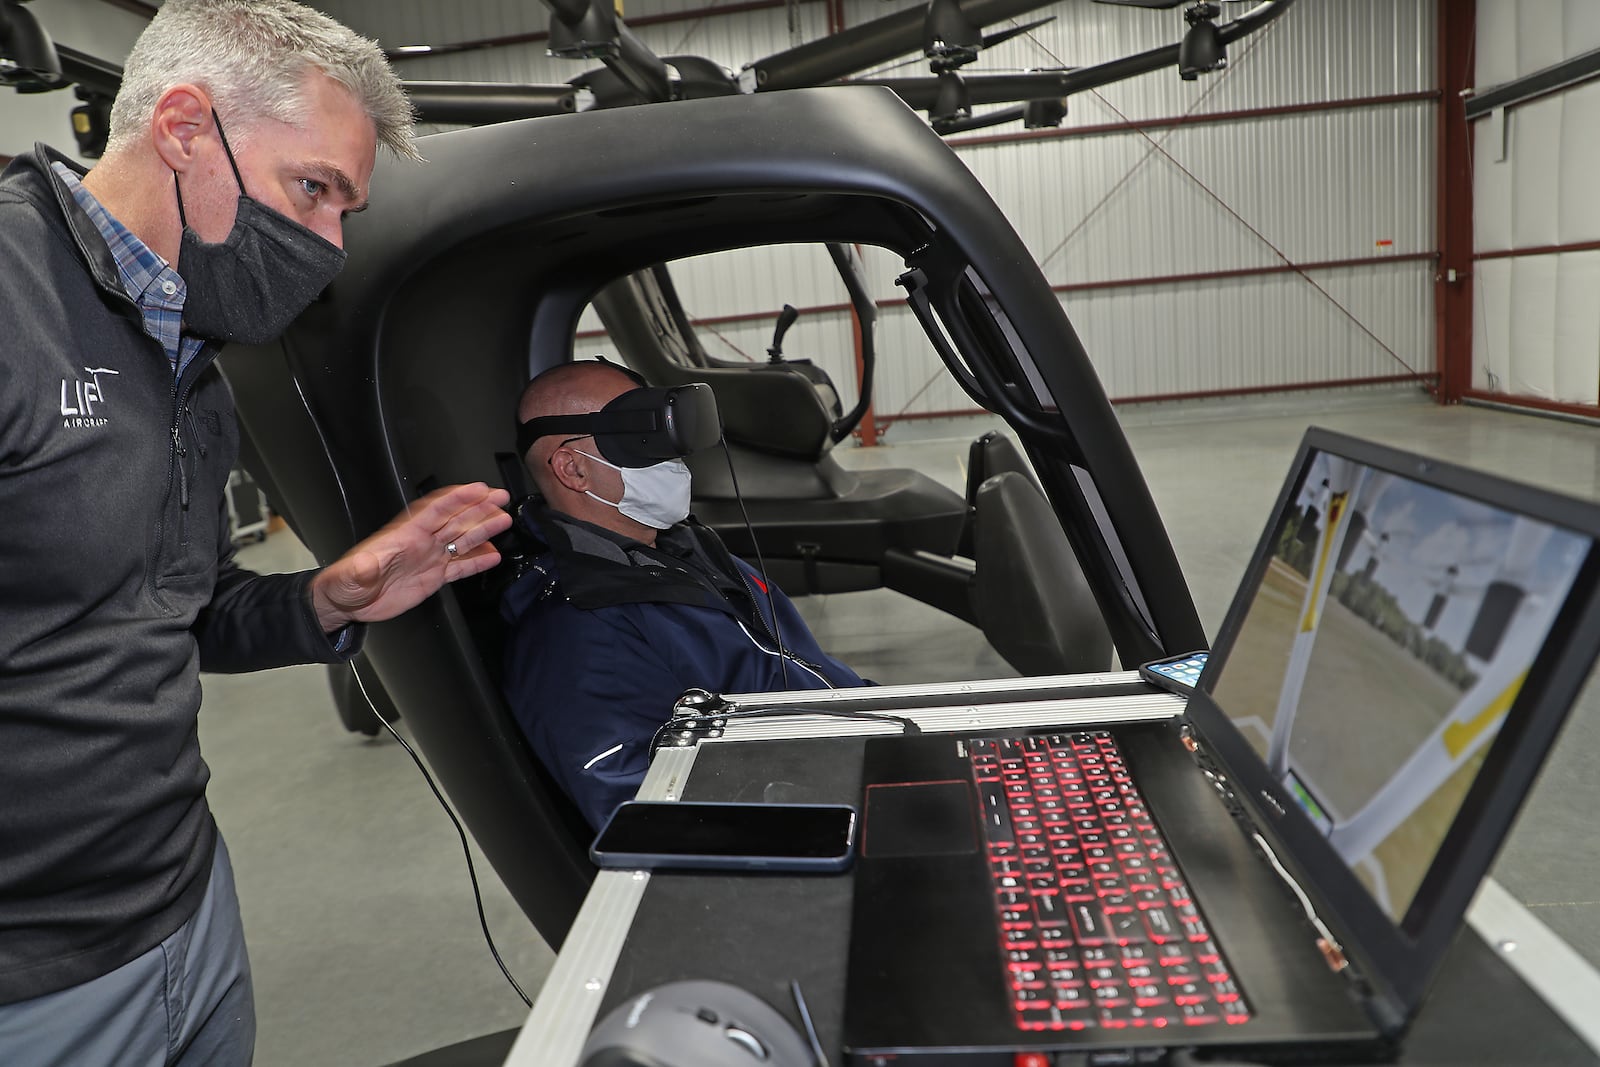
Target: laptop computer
x=1278, y=872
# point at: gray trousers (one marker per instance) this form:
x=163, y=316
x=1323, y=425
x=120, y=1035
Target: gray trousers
x=187, y=1002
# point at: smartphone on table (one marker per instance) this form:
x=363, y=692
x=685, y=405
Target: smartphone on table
x=715, y=835
x=1175, y=674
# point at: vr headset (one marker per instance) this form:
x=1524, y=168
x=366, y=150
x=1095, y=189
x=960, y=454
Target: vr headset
x=640, y=427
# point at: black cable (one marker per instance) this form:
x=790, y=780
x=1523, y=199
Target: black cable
x=772, y=606
x=821, y=1057
x=472, y=873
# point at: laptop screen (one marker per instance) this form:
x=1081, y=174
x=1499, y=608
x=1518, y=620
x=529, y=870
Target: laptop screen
x=1389, y=633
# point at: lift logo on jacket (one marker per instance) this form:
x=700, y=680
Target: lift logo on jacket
x=80, y=398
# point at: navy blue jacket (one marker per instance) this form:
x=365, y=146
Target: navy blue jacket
x=607, y=633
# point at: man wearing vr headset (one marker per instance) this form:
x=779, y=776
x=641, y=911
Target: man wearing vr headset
x=630, y=601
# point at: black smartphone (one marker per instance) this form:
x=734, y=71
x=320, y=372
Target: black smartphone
x=1175, y=674
x=709, y=835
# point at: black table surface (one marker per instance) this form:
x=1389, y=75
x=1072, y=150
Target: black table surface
x=762, y=931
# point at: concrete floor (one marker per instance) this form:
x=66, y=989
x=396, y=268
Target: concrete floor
x=356, y=898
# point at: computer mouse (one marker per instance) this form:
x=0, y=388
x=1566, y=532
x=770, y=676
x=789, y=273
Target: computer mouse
x=696, y=1023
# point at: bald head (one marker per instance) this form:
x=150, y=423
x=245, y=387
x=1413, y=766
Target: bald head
x=573, y=389
x=569, y=389
x=563, y=468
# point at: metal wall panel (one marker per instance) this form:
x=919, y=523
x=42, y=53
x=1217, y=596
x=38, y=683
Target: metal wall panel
x=395, y=24
x=1536, y=324
x=425, y=22
x=1227, y=334
x=1518, y=37
x=1317, y=186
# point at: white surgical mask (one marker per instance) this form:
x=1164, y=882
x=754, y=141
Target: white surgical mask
x=657, y=496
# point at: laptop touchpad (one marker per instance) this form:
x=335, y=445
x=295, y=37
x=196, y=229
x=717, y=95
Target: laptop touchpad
x=919, y=819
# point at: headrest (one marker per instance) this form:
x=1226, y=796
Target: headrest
x=640, y=427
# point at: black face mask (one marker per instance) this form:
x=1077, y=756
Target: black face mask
x=250, y=287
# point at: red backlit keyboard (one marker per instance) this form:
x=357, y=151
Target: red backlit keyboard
x=1097, y=926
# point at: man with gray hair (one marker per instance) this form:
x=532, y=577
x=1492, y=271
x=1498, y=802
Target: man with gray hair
x=244, y=133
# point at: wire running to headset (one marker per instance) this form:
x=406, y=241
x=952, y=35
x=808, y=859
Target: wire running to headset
x=648, y=425
x=472, y=872
x=761, y=565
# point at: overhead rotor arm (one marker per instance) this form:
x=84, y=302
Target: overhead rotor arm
x=923, y=93
x=638, y=76
x=865, y=46
x=632, y=74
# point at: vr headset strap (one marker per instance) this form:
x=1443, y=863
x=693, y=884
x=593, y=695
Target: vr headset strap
x=597, y=422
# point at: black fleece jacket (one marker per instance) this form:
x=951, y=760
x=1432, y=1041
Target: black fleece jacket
x=117, y=587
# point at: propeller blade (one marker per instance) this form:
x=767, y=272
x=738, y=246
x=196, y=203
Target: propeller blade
x=477, y=103
x=865, y=46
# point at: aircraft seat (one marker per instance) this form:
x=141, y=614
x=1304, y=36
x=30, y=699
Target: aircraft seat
x=459, y=287
x=784, y=409
x=1030, y=595
x=990, y=454
x=820, y=528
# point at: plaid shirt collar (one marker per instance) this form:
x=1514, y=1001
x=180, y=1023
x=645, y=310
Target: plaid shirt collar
x=146, y=277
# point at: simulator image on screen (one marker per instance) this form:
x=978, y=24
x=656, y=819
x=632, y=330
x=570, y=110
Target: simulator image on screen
x=1390, y=634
